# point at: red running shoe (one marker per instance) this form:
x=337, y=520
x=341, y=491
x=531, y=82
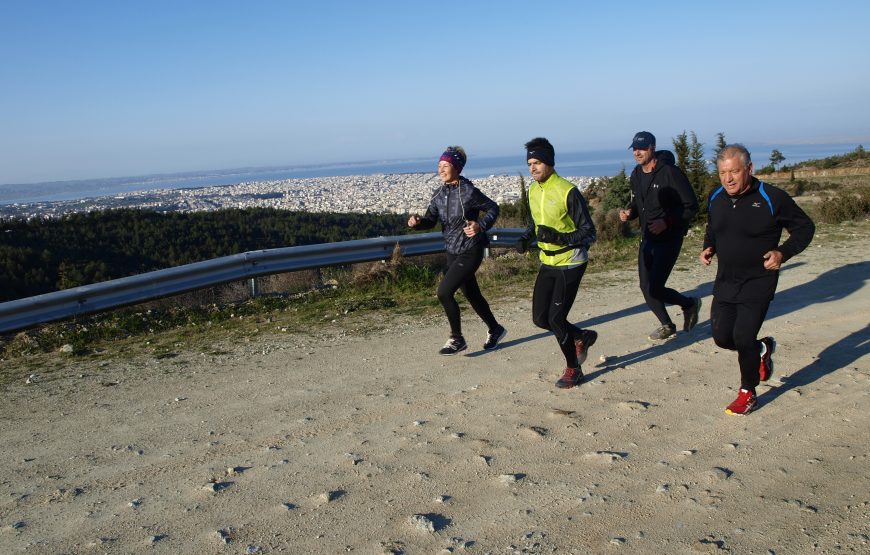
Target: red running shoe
x=745, y=402
x=571, y=377
x=587, y=339
x=765, y=369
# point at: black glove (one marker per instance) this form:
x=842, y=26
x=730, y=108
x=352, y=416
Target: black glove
x=522, y=245
x=547, y=234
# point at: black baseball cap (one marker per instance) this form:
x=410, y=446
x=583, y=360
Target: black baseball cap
x=643, y=140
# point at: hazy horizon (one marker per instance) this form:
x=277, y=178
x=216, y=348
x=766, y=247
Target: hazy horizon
x=592, y=163
x=418, y=159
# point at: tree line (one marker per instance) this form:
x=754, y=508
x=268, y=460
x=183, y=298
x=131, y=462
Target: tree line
x=40, y=256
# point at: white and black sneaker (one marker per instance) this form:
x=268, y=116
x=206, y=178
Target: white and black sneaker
x=493, y=338
x=454, y=345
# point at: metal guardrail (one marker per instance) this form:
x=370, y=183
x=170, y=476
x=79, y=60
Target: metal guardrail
x=88, y=299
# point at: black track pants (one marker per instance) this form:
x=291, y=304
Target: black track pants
x=654, y=265
x=553, y=298
x=460, y=275
x=735, y=327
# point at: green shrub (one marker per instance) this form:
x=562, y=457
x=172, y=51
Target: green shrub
x=845, y=206
x=795, y=187
x=615, y=192
x=608, y=226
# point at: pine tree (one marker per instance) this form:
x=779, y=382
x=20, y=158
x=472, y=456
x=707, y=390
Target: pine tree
x=697, y=172
x=697, y=166
x=720, y=146
x=681, y=150
x=617, y=191
x=776, y=157
x=524, y=202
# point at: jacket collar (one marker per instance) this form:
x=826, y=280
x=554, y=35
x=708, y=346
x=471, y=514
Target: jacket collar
x=553, y=177
x=754, y=184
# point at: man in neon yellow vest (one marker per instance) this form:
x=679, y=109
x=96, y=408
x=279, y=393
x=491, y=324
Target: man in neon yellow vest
x=561, y=222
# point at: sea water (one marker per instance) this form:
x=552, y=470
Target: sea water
x=590, y=163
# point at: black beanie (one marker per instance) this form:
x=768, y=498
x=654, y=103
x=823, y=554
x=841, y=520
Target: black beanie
x=541, y=149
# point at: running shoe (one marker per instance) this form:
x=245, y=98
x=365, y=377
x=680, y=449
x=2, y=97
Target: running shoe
x=570, y=378
x=454, y=345
x=765, y=369
x=665, y=332
x=690, y=315
x=587, y=339
x=493, y=337
x=745, y=402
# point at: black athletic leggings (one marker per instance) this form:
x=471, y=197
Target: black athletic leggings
x=735, y=327
x=552, y=299
x=460, y=275
x=654, y=265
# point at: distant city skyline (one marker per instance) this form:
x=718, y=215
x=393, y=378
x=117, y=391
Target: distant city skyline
x=96, y=89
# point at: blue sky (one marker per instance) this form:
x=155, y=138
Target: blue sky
x=113, y=88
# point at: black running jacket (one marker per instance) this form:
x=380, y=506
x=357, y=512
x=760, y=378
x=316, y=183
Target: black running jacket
x=742, y=229
x=454, y=206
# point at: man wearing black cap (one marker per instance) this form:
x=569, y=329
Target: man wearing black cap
x=560, y=219
x=665, y=202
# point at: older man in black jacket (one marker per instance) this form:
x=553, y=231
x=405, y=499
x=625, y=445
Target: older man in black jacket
x=666, y=204
x=745, y=219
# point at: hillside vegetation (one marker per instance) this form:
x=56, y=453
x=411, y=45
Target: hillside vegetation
x=40, y=256
x=858, y=158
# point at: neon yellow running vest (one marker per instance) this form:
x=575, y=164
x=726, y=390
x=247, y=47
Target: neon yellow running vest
x=548, y=202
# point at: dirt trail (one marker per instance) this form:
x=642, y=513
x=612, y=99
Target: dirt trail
x=296, y=445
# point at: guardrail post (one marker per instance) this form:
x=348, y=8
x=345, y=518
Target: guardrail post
x=255, y=289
